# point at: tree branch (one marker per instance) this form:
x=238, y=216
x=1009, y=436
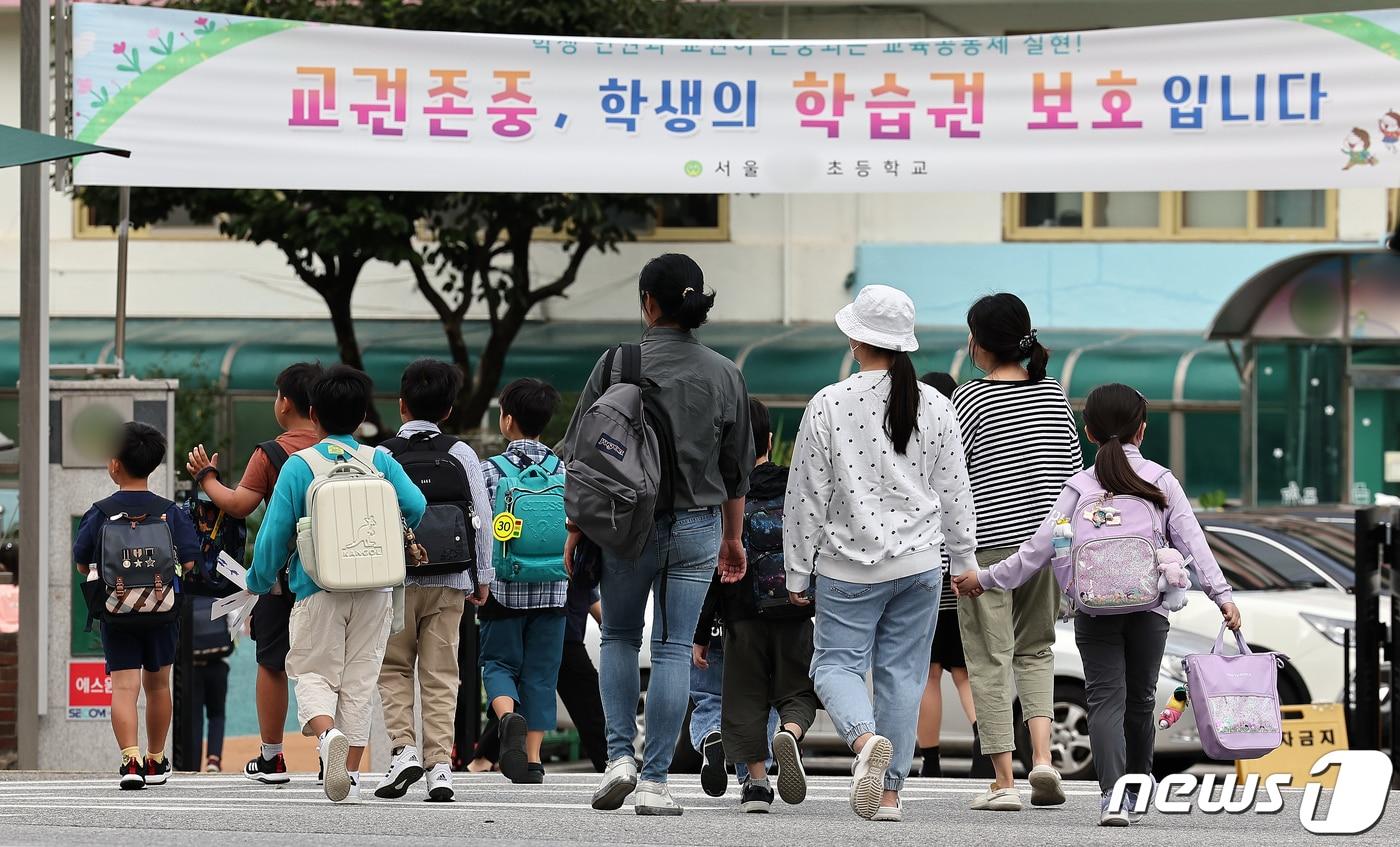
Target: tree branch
x=568, y=277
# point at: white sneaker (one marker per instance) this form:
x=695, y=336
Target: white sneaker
x=619, y=780
x=404, y=770
x=893, y=813
x=353, y=798
x=1046, y=789
x=998, y=800
x=334, y=747
x=868, y=776
x=1107, y=818
x=654, y=798
x=440, y=784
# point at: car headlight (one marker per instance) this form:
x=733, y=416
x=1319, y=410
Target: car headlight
x=1174, y=667
x=1333, y=629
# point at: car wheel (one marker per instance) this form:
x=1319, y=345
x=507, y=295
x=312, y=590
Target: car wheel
x=1069, y=732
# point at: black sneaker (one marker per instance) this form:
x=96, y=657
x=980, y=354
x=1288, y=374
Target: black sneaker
x=714, y=778
x=534, y=774
x=792, y=778
x=512, y=761
x=757, y=796
x=268, y=771
x=133, y=775
x=157, y=772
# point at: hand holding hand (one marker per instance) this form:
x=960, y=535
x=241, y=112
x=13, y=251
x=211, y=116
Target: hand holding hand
x=967, y=585
x=799, y=598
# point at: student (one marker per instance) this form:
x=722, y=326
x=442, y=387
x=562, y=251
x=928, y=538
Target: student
x=522, y=624
x=578, y=678
x=433, y=604
x=878, y=488
x=1021, y=443
x=336, y=639
x=767, y=643
x=946, y=654
x=138, y=658
x=1122, y=652
x=268, y=623
x=702, y=395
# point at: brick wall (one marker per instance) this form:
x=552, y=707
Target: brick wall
x=9, y=684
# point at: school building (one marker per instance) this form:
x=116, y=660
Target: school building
x=1293, y=399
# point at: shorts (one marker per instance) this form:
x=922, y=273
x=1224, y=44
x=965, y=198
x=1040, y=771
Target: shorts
x=132, y=649
x=947, y=641
x=269, y=629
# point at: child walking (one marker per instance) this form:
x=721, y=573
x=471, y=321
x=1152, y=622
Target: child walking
x=139, y=654
x=433, y=601
x=337, y=638
x=522, y=623
x=767, y=642
x=1121, y=652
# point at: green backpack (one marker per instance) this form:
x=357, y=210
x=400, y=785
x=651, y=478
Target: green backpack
x=528, y=524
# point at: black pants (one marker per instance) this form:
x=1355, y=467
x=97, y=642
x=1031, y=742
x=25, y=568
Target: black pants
x=1122, y=659
x=767, y=664
x=211, y=693
x=578, y=688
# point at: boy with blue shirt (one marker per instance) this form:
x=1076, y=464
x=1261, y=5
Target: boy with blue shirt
x=522, y=623
x=138, y=658
x=337, y=638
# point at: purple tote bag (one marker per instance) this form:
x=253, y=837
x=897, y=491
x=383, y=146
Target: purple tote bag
x=1236, y=700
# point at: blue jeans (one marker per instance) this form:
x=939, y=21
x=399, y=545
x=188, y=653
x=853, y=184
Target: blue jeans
x=688, y=548
x=883, y=628
x=706, y=688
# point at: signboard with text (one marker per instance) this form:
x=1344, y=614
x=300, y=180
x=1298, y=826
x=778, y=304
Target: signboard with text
x=89, y=691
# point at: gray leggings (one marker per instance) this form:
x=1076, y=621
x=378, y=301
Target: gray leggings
x=1122, y=659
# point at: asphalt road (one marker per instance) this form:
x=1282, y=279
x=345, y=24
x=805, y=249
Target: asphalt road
x=225, y=809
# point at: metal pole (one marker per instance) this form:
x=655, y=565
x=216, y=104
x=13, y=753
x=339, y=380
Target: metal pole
x=1372, y=527
x=123, y=235
x=61, y=89
x=33, y=390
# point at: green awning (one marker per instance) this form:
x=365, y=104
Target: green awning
x=23, y=147
x=787, y=362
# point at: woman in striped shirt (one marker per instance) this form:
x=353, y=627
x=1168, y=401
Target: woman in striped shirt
x=1021, y=444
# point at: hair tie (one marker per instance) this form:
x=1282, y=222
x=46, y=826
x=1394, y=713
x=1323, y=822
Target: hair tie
x=1110, y=438
x=1027, y=342
x=686, y=293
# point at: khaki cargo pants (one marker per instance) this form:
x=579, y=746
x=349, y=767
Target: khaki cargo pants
x=337, y=645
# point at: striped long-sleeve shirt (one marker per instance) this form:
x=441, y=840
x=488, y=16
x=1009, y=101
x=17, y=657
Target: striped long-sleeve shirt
x=1021, y=446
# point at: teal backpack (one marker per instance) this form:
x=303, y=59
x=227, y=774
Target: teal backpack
x=534, y=495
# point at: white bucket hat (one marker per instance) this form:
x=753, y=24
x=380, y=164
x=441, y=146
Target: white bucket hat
x=882, y=317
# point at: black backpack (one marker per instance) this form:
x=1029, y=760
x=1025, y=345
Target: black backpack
x=137, y=566
x=449, y=526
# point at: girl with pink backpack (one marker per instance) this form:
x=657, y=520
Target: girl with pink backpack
x=1117, y=539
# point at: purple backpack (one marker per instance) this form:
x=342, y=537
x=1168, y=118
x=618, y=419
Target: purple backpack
x=1111, y=567
x=1236, y=700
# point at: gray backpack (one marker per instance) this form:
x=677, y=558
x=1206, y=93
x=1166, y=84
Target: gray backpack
x=618, y=475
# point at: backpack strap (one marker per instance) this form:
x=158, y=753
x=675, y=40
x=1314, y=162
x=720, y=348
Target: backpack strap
x=507, y=468
x=319, y=464
x=420, y=442
x=551, y=464
x=276, y=455
x=608, y=367
x=112, y=507
x=631, y=363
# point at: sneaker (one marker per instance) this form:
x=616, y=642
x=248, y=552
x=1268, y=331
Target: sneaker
x=334, y=747
x=998, y=800
x=534, y=774
x=157, y=772
x=512, y=760
x=619, y=780
x=1107, y=818
x=893, y=813
x=1046, y=789
x=1130, y=801
x=792, y=777
x=268, y=771
x=868, y=776
x=757, y=796
x=440, y=784
x=654, y=798
x=320, y=771
x=714, y=778
x=353, y=797
x=213, y=765
x=404, y=770
x=133, y=775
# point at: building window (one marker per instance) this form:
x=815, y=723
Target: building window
x=1168, y=216
x=179, y=226
x=679, y=217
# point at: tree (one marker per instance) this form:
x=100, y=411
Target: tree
x=481, y=249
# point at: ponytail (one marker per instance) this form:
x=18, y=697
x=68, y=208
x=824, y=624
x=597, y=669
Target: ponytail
x=677, y=285
x=902, y=408
x=1039, y=358
x=1113, y=414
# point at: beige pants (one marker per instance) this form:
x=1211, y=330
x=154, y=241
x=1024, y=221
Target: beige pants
x=337, y=644
x=1010, y=635
x=432, y=623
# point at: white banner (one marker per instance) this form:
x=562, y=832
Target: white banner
x=227, y=101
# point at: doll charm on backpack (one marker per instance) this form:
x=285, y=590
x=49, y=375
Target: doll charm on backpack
x=1174, y=579
x=1174, y=709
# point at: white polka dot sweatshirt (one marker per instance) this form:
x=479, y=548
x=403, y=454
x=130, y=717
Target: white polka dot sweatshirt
x=858, y=511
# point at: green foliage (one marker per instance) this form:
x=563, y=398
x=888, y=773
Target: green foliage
x=198, y=404
x=1214, y=499
x=781, y=454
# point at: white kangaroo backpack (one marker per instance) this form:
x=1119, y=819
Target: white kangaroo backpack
x=352, y=536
